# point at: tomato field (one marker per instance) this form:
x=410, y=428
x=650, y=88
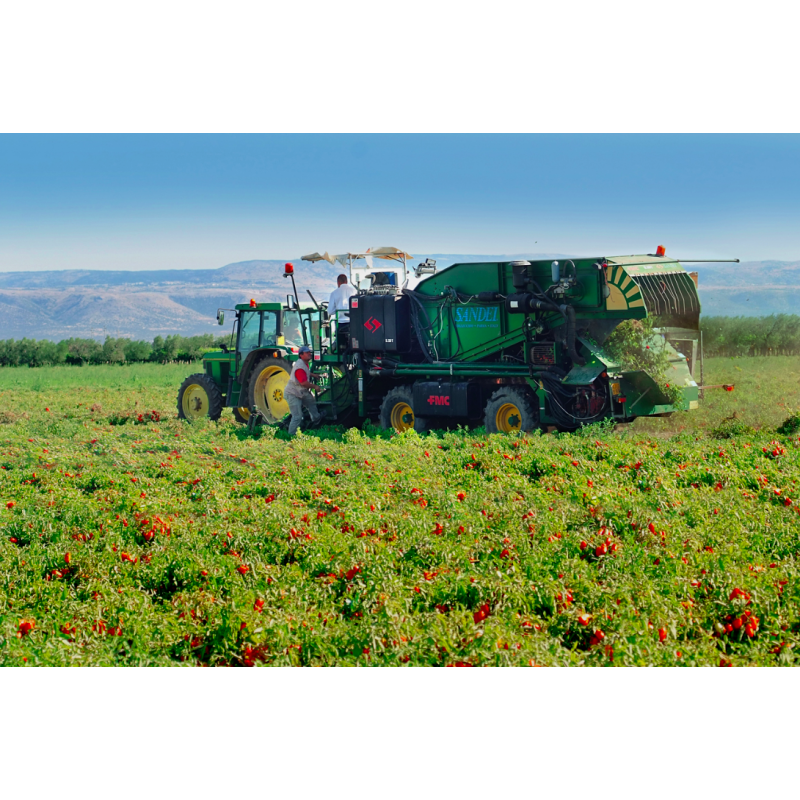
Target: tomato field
x=130, y=537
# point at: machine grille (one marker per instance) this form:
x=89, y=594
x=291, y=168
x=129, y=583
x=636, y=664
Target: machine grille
x=543, y=354
x=671, y=295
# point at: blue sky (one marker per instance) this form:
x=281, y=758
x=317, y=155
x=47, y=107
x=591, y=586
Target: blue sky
x=202, y=201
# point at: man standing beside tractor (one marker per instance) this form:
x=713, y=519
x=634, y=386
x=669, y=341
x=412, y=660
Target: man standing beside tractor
x=298, y=391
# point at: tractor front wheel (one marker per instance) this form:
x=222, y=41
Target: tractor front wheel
x=266, y=386
x=199, y=397
x=510, y=410
x=397, y=409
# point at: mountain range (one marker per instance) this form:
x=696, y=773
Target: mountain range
x=60, y=304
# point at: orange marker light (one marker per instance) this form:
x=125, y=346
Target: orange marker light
x=288, y=269
x=661, y=250
x=252, y=303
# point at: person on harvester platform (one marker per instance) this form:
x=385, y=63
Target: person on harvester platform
x=298, y=391
x=340, y=301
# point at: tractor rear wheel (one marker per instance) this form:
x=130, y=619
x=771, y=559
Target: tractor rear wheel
x=241, y=415
x=199, y=397
x=266, y=386
x=510, y=410
x=397, y=409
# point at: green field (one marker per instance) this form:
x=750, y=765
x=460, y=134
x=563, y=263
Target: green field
x=132, y=538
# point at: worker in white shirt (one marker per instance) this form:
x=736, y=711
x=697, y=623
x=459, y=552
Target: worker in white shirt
x=340, y=301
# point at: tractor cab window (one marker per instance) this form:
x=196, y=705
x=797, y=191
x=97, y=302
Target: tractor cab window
x=249, y=330
x=292, y=331
x=257, y=328
x=269, y=329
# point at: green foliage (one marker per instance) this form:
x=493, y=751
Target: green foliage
x=635, y=345
x=40, y=353
x=630, y=345
x=791, y=424
x=731, y=428
x=167, y=543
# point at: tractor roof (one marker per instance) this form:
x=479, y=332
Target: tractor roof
x=258, y=307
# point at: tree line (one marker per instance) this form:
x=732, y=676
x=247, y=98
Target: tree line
x=777, y=334
x=43, y=352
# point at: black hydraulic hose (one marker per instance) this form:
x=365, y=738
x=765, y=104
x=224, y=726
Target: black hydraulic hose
x=455, y=327
x=571, y=334
x=538, y=289
x=555, y=390
x=420, y=338
x=415, y=309
x=380, y=361
x=421, y=295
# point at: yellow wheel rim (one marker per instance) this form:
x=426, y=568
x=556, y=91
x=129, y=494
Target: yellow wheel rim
x=244, y=413
x=195, y=402
x=269, y=393
x=508, y=418
x=402, y=417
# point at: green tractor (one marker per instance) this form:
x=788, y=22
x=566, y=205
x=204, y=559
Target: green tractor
x=250, y=374
x=513, y=345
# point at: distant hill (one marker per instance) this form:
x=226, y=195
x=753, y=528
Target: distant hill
x=60, y=304
x=749, y=289
x=143, y=304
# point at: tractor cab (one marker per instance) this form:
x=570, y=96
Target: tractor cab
x=270, y=325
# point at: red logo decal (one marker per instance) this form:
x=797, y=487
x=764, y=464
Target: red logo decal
x=372, y=324
x=439, y=400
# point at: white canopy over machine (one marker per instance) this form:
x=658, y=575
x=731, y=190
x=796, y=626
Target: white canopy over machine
x=358, y=272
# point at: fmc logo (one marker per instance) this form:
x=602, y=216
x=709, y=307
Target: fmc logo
x=372, y=324
x=439, y=400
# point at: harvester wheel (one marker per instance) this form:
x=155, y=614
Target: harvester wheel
x=421, y=424
x=199, y=397
x=397, y=409
x=241, y=415
x=266, y=386
x=510, y=410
